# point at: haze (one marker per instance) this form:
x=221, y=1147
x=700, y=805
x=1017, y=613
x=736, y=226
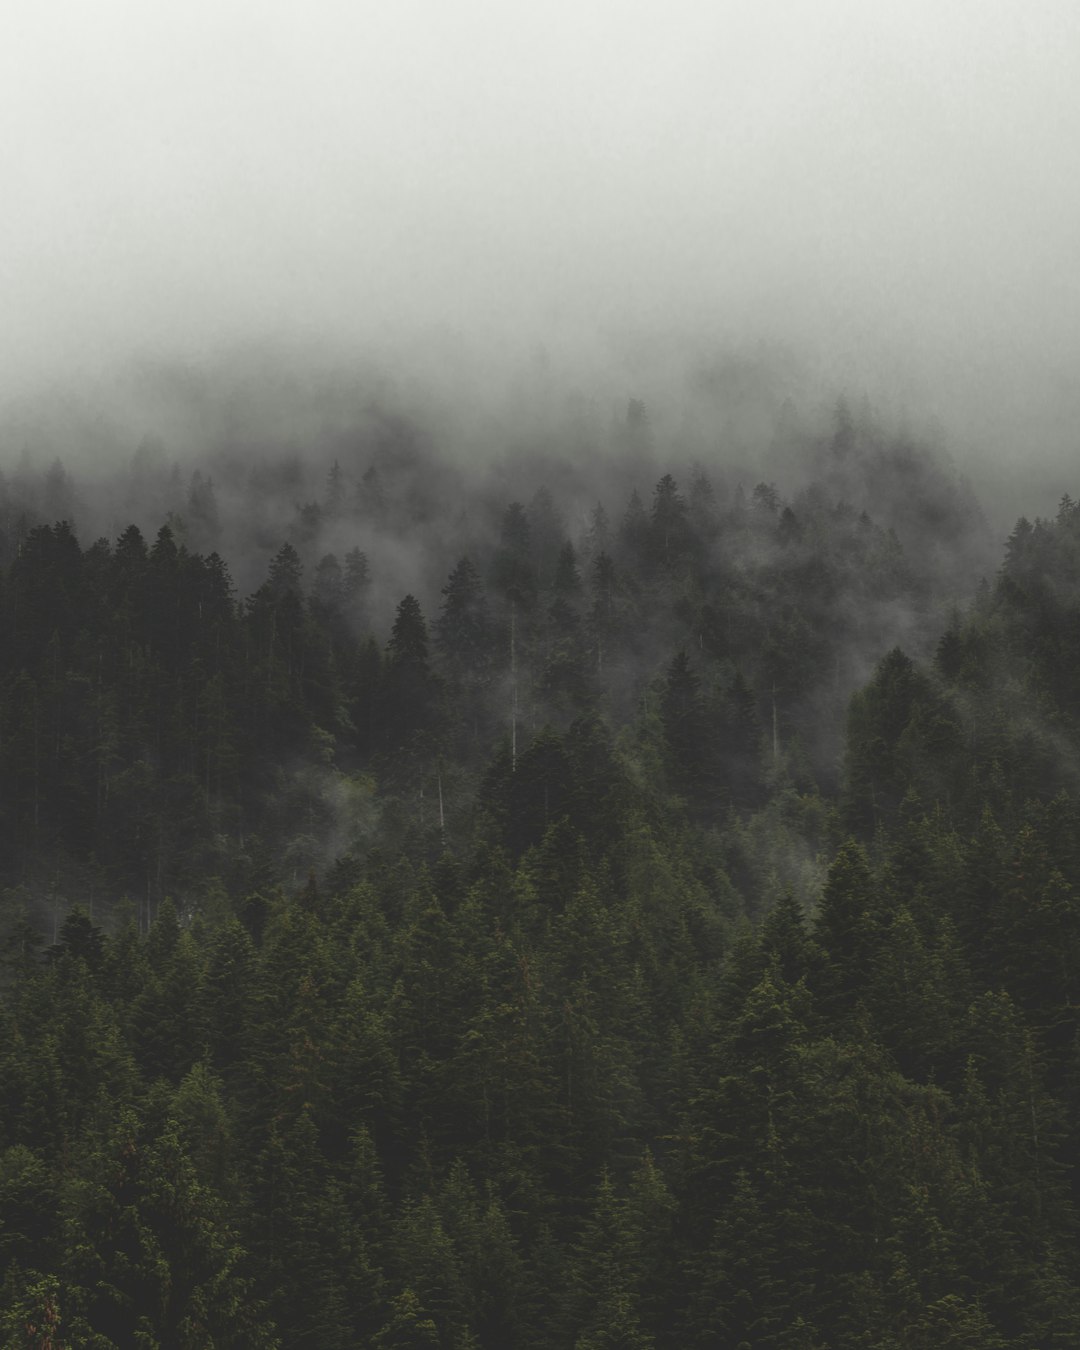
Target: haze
x=886, y=191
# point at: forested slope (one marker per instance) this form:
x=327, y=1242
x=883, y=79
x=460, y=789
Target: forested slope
x=659, y=931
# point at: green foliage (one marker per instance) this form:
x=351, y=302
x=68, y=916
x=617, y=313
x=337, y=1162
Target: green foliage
x=599, y=1031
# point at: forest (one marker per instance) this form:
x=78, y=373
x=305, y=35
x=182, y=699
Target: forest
x=606, y=901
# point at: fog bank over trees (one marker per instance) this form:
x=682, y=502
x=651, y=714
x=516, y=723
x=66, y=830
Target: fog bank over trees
x=447, y=200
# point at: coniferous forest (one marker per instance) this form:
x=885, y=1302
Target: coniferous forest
x=537, y=907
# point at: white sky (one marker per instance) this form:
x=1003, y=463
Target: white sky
x=893, y=185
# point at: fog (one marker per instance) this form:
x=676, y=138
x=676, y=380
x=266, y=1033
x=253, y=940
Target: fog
x=473, y=200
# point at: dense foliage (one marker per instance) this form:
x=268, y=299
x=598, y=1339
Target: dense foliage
x=578, y=962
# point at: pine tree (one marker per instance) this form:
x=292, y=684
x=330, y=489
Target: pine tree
x=669, y=531
x=410, y=691
x=846, y=927
x=463, y=632
x=513, y=573
x=689, y=738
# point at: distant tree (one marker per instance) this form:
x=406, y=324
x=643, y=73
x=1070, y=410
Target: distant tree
x=743, y=745
x=307, y=525
x=58, y=498
x=465, y=637
x=371, y=500
x=702, y=507
x=638, y=431
x=355, y=584
x=598, y=535
x=286, y=571
x=328, y=586
x=336, y=492
x=603, y=618
x=565, y=587
x=635, y=534
x=410, y=690
x=875, y=775
x=463, y=631
x=669, y=522
x=277, y=621
x=846, y=927
x=765, y=500
x=789, y=529
x=202, y=516
x=689, y=737
x=546, y=534
x=513, y=573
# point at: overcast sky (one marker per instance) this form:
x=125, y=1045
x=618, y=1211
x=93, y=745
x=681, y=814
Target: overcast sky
x=891, y=187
